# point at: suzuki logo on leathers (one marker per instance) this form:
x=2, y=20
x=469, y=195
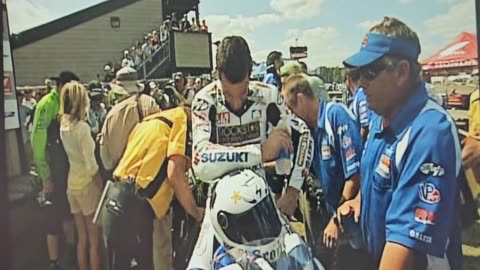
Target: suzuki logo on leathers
x=224, y=157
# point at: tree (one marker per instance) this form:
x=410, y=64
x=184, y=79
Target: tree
x=330, y=74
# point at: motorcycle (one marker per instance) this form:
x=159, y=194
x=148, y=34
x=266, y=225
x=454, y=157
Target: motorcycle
x=293, y=254
x=243, y=220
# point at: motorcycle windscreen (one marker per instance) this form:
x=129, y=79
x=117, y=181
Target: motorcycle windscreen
x=258, y=223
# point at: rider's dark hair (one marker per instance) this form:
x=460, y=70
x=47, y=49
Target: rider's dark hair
x=233, y=59
x=272, y=57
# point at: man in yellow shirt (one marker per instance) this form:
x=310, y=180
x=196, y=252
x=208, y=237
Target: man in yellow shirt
x=155, y=159
x=474, y=115
x=471, y=148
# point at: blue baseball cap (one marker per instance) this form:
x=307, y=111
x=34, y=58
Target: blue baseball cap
x=374, y=46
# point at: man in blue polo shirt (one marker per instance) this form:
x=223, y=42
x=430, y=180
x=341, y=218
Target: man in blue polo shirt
x=357, y=103
x=338, y=147
x=274, y=63
x=408, y=204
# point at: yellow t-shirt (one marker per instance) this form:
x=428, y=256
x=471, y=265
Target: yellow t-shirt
x=473, y=174
x=150, y=144
x=474, y=115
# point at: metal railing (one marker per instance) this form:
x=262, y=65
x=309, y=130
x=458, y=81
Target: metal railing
x=154, y=61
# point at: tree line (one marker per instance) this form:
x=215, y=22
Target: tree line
x=330, y=74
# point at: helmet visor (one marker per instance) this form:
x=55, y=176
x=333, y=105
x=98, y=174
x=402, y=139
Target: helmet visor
x=259, y=222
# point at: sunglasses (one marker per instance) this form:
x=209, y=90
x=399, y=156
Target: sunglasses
x=371, y=71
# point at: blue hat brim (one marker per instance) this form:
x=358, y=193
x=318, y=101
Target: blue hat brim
x=362, y=58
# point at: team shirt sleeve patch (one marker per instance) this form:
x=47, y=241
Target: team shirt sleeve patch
x=200, y=105
x=429, y=193
x=424, y=216
x=432, y=169
x=326, y=152
x=384, y=165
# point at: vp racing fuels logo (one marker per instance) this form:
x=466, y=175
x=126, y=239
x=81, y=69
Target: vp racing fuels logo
x=429, y=193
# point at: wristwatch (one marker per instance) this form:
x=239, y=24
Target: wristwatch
x=335, y=219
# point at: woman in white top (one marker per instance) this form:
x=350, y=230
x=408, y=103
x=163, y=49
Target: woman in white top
x=84, y=183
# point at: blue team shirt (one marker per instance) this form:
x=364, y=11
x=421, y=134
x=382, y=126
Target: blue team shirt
x=271, y=79
x=359, y=107
x=337, y=152
x=409, y=182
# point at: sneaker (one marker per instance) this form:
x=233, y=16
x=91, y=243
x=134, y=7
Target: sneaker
x=33, y=173
x=133, y=263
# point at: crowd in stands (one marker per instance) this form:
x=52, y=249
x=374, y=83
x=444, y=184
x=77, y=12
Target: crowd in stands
x=152, y=41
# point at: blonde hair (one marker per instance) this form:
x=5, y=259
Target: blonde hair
x=298, y=84
x=393, y=27
x=73, y=102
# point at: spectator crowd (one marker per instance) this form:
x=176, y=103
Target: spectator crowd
x=139, y=52
x=387, y=161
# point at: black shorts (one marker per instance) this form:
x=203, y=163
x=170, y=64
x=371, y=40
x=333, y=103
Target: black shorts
x=59, y=210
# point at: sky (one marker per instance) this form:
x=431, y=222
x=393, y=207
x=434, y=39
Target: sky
x=331, y=29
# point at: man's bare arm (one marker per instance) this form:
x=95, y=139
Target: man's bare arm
x=351, y=188
x=178, y=180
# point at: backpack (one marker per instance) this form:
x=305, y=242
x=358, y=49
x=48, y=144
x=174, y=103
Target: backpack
x=57, y=156
x=59, y=165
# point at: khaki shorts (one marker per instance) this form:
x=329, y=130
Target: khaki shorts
x=84, y=201
x=162, y=243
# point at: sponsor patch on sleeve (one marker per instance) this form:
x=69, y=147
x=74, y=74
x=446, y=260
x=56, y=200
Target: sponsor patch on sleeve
x=200, y=105
x=350, y=154
x=424, y=216
x=384, y=165
x=429, y=193
x=432, y=169
x=346, y=142
x=420, y=236
x=302, y=151
x=326, y=152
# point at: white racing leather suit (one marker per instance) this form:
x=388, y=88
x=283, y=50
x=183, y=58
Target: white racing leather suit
x=224, y=141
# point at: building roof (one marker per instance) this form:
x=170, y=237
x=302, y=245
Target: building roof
x=51, y=28
x=461, y=52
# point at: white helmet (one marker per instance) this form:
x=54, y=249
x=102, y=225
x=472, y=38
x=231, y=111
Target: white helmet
x=245, y=217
